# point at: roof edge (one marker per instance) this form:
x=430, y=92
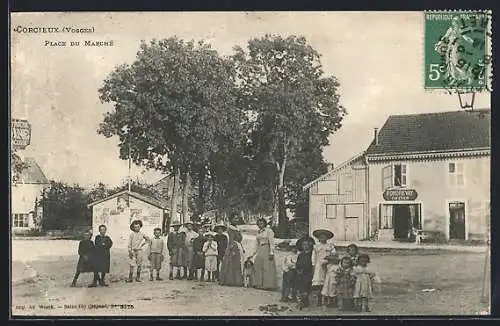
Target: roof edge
x=130, y=193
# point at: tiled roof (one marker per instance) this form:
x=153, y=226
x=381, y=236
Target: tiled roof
x=444, y=131
x=146, y=199
x=32, y=173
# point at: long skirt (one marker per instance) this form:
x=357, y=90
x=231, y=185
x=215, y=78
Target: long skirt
x=304, y=282
x=231, y=271
x=198, y=261
x=264, y=270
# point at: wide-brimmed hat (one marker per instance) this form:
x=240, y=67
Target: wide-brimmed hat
x=222, y=226
x=324, y=232
x=134, y=223
x=332, y=257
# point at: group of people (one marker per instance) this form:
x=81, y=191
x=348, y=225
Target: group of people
x=316, y=268
x=197, y=252
x=202, y=253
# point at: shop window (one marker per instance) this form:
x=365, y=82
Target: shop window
x=387, y=177
x=21, y=220
x=456, y=174
x=385, y=217
x=335, y=211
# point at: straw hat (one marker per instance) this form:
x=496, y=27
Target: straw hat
x=134, y=223
x=323, y=232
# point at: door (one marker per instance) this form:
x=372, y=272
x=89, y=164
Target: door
x=457, y=220
x=402, y=221
x=351, y=227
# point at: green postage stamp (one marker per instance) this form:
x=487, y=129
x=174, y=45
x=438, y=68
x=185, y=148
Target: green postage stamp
x=457, y=50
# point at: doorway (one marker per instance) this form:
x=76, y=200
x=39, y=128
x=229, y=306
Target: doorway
x=457, y=220
x=402, y=221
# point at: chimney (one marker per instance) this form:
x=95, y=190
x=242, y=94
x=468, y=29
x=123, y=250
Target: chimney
x=375, y=136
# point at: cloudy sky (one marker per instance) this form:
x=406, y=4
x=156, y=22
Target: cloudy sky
x=378, y=58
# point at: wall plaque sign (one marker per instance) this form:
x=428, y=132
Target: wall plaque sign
x=403, y=194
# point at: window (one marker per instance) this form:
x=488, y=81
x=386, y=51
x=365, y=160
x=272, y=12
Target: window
x=335, y=211
x=353, y=210
x=456, y=174
x=328, y=187
x=387, y=177
x=400, y=175
x=346, y=184
x=21, y=220
x=385, y=217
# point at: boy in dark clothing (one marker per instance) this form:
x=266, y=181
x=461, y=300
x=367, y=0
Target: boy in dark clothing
x=289, y=275
x=175, y=245
x=304, y=269
x=102, y=255
x=85, y=261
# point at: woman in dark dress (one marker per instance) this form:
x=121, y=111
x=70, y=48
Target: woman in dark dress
x=231, y=272
x=198, y=262
x=102, y=244
x=85, y=260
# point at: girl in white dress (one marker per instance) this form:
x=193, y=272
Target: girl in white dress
x=329, y=291
x=321, y=250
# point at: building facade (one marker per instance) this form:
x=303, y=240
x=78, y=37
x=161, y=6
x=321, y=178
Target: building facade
x=338, y=201
x=25, y=194
x=431, y=172
x=427, y=172
x=119, y=210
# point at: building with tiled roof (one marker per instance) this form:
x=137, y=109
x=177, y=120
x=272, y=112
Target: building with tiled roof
x=422, y=172
x=25, y=194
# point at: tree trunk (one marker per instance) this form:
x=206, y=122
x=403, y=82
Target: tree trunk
x=201, y=191
x=282, y=218
x=173, y=201
x=185, y=192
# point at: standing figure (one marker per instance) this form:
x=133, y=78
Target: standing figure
x=156, y=254
x=264, y=263
x=175, y=245
x=304, y=269
x=102, y=257
x=288, y=287
x=231, y=271
x=248, y=272
x=353, y=252
x=188, y=248
x=210, y=252
x=221, y=240
x=198, y=262
x=321, y=250
x=85, y=260
x=329, y=291
x=366, y=284
x=345, y=280
x=136, y=243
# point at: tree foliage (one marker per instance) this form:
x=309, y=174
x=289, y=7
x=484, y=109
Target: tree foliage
x=17, y=167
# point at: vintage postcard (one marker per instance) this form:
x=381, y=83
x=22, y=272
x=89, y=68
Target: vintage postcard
x=250, y=163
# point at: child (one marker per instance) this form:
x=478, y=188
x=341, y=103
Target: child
x=156, y=254
x=289, y=275
x=102, y=255
x=136, y=242
x=210, y=251
x=345, y=280
x=329, y=287
x=84, y=265
x=352, y=252
x=304, y=269
x=175, y=245
x=320, y=252
x=366, y=281
x=248, y=270
x=198, y=260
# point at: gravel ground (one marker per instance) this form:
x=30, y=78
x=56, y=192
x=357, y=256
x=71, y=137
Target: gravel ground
x=456, y=280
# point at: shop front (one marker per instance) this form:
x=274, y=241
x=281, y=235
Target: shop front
x=399, y=214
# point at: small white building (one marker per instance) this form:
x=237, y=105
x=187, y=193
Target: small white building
x=25, y=194
x=119, y=210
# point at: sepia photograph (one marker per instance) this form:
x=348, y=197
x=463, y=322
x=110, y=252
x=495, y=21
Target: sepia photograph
x=275, y=164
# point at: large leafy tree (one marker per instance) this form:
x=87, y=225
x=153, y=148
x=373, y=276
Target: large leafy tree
x=293, y=102
x=173, y=107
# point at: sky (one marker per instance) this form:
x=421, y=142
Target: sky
x=378, y=58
